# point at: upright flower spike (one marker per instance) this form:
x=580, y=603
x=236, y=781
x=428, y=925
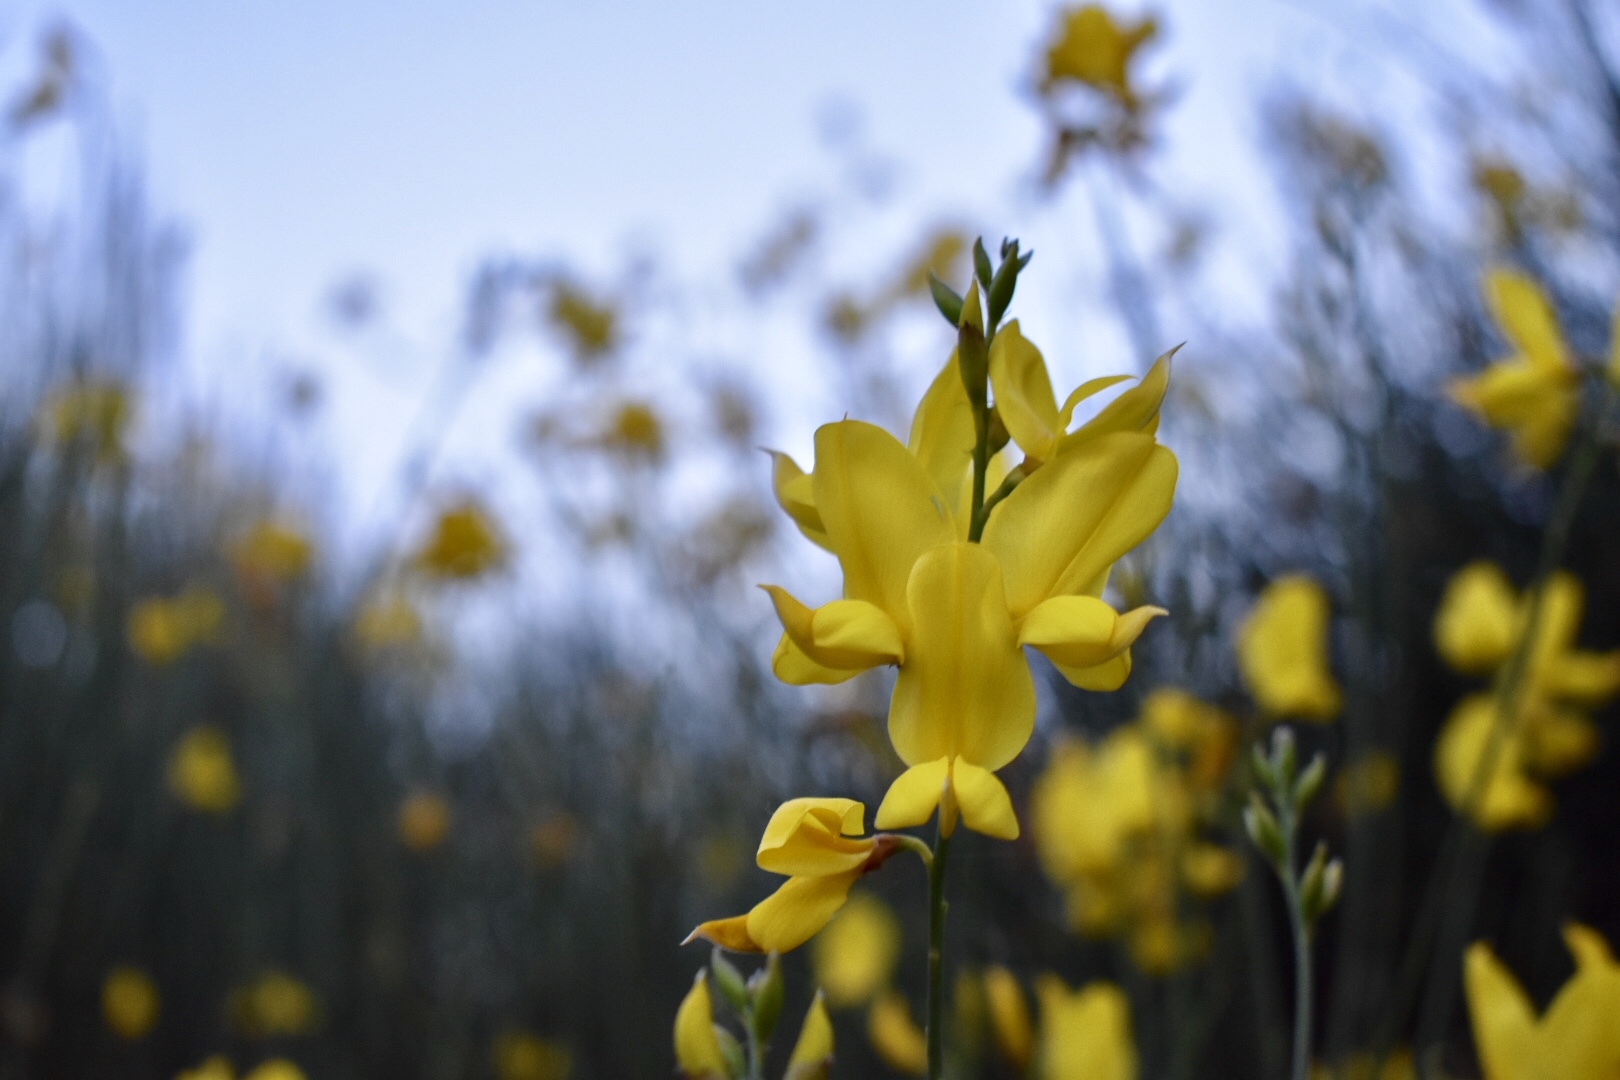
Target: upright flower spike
x=1085, y=1032
x=1282, y=651
x=697, y=1047
x=1532, y=393
x=817, y=844
x=1575, y=1039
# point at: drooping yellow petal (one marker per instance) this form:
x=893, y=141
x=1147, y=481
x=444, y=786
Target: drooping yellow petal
x=813, y=1051
x=1587, y=679
x=881, y=512
x=846, y=635
x=1477, y=623
x=1023, y=393
x=1282, y=651
x=965, y=688
x=1137, y=409
x=942, y=434
x=1089, y=804
x=697, y=1049
x=1503, y=1019
x=1084, y=392
x=1009, y=1017
x=792, y=666
x=730, y=933
x=1587, y=947
x=1063, y=527
x=855, y=956
x=895, y=1036
x=1509, y=798
x=1521, y=309
x=1556, y=741
x=795, y=494
x=1078, y=632
x=983, y=801
x=815, y=836
x=793, y=914
x=1537, y=406
x=912, y=798
x=1085, y=1033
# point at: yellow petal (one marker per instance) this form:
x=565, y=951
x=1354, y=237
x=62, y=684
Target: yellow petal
x=881, y=511
x=795, y=494
x=1086, y=390
x=942, y=434
x=792, y=666
x=1582, y=678
x=1557, y=741
x=1510, y=798
x=1137, y=409
x=815, y=836
x=1537, y=406
x=913, y=796
x=1062, y=528
x=1503, y=1019
x=1024, y=393
x=1613, y=370
x=729, y=934
x=697, y=1050
x=848, y=635
x=1009, y=1017
x=1526, y=318
x=1106, y=677
x=1476, y=625
x=1282, y=651
x=1082, y=631
x=1587, y=947
x=855, y=956
x=1085, y=1033
x=965, y=688
x=895, y=1036
x=814, y=1049
x=793, y=914
x=983, y=801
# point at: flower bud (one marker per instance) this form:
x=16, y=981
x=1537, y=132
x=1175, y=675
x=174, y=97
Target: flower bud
x=1263, y=830
x=767, y=990
x=1284, y=758
x=1311, y=884
x=973, y=354
x=1310, y=782
x=731, y=1050
x=946, y=299
x=981, y=264
x=730, y=982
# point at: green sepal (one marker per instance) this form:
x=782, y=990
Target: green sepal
x=730, y=982
x=946, y=299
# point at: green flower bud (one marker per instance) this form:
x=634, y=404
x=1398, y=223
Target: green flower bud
x=946, y=299
x=1310, y=782
x=1263, y=830
x=730, y=982
x=732, y=1051
x=767, y=989
x=981, y=264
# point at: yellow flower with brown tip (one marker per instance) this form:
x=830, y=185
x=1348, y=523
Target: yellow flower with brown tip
x=201, y=772
x=899, y=1042
x=813, y=1051
x=1533, y=393
x=1084, y=1033
x=1576, y=1038
x=697, y=1047
x=1096, y=51
x=424, y=820
x=1283, y=651
x=129, y=1002
x=463, y=545
x=817, y=844
x=855, y=956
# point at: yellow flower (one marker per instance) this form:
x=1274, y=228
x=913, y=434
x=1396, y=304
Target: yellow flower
x=895, y=1036
x=424, y=820
x=1282, y=651
x=1090, y=803
x=214, y=1068
x=635, y=430
x=1368, y=784
x=463, y=545
x=812, y=1053
x=275, y=1069
x=1085, y=1033
x=591, y=327
x=1009, y=1017
x=388, y=621
x=1534, y=392
x=697, y=1048
x=1209, y=870
x=275, y=1003
x=1544, y=742
x=1095, y=50
x=201, y=773
x=271, y=552
x=94, y=413
x=1478, y=620
x=855, y=956
x=162, y=630
x=955, y=616
x=1575, y=1039
x=129, y=1002
x=518, y=1055
x=817, y=843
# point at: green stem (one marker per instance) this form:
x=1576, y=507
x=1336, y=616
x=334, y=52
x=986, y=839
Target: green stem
x=936, y=952
x=756, y=1052
x=981, y=465
x=1302, y=944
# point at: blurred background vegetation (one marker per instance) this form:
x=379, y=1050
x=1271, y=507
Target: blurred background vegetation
x=265, y=797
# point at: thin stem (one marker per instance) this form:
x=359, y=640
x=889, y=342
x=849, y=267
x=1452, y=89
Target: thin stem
x=936, y=950
x=981, y=464
x=1302, y=944
x=756, y=1052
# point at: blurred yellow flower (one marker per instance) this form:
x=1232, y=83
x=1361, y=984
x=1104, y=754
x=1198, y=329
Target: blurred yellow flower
x=270, y=552
x=898, y=1040
x=1510, y=797
x=697, y=1048
x=1084, y=1033
x=388, y=621
x=275, y=1003
x=160, y=630
x=1209, y=870
x=813, y=1051
x=1478, y=619
x=94, y=413
x=1398, y=1065
x=275, y=1069
x=129, y=1002
x=1533, y=393
x=635, y=430
x=520, y=1055
x=553, y=840
x=855, y=956
x=591, y=326
x=463, y=545
x=214, y=1068
x=1368, y=784
x=941, y=254
x=1283, y=651
x=816, y=842
x=424, y=820
x=1575, y=1039
x=201, y=772
x=1094, y=50
x=1009, y=1018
